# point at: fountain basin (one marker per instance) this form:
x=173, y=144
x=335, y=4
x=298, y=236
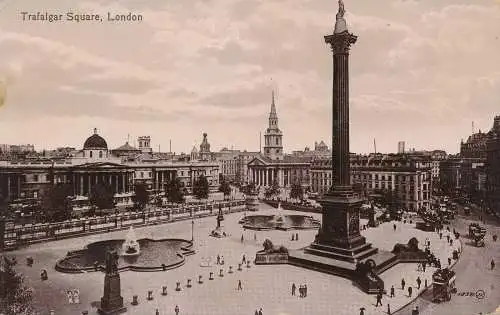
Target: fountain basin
x=279, y=222
x=154, y=255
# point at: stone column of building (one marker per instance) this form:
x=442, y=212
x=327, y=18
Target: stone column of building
x=123, y=181
x=8, y=186
x=18, y=185
x=116, y=183
x=89, y=187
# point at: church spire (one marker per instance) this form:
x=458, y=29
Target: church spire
x=273, y=116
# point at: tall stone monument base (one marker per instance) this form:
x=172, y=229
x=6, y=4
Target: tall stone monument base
x=340, y=249
x=112, y=301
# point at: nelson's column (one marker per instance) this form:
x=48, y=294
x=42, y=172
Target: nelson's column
x=339, y=246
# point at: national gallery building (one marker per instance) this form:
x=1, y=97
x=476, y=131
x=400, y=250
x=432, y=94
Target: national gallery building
x=27, y=180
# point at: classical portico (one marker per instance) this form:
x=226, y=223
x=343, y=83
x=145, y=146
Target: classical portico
x=118, y=177
x=263, y=171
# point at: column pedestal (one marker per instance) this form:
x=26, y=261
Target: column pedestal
x=111, y=301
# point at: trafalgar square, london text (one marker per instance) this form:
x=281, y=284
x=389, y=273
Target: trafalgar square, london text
x=77, y=17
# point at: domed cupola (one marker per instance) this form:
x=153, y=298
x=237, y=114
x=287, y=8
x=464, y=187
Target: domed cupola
x=95, y=141
x=95, y=147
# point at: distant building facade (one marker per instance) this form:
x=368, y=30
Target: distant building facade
x=409, y=176
x=401, y=147
x=29, y=179
x=493, y=166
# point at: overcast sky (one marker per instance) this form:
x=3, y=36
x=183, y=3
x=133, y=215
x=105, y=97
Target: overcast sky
x=421, y=72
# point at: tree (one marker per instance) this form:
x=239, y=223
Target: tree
x=391, y=200
x=102, y=196
x=296, y=192
x=141, y=197
x=15, y=297
x=3, y=203
x=249, y=189
x=56, y=205
x=272, y=191
x=174, y=191
x=225, y=188
x=200, y=187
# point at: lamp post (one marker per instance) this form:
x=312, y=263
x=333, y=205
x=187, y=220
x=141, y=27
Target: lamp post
x=192, y=230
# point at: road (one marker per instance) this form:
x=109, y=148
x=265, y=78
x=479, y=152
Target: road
x=473, y=274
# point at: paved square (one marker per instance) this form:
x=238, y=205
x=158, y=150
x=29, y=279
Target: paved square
x=268, y=287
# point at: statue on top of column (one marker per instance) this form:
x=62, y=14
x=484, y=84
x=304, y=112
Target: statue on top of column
x=340, y=23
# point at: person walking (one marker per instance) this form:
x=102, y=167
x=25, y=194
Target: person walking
x=296, y=236
x=403, y=284
x=260, y=311
x=239, y=285
x=256, y=312
x=244, y=259
x=293, y=289
x=305, y=290
x=157, y=312
x=392, y=292
x=492, y=264
x=218, y=259
x=410, y=291
x=176, y=310
x=362, y=311
x=419, y=282
x=394, y=227
x=379, y=300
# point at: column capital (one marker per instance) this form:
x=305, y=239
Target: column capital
x=341, y=43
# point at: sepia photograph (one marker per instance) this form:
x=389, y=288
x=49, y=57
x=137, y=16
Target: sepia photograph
x=249, y=157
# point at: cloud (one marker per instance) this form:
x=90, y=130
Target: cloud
x=192, y=65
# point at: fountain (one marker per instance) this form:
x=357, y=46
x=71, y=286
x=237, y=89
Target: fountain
x=134, y=254
x=283, y=222
x=130, y=247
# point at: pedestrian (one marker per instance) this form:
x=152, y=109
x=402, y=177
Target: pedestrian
x=440, y=235
x=242, y=238
x=388, y=309
x=362, y=311
x=157, y=312
x=416, y=310
x=410, y=291
x=218, y=260
x=419, y=281
x=260, y=311
x=296, y=236
x=239, y=285
x=392, y=292
x=379, y=300
x=255, y=236
x=403, y=284
x=300, y=290
x=394, y=226
x=293, y=289
x=492, y=263
x=244, y=259
x=176, y=310
x=425, y=283
x=448, y=238
x=256, y=312
x=305, y=290
x=424, y=265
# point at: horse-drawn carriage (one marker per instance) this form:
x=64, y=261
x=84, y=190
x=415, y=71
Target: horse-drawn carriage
x=443, y=285
x=477, y=234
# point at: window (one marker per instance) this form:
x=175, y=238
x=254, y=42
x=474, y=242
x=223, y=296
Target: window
x=35, y=178
x=142, y=174
x=90, y=153
x=150, y=174
x=277, y=141
x=100, y=154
